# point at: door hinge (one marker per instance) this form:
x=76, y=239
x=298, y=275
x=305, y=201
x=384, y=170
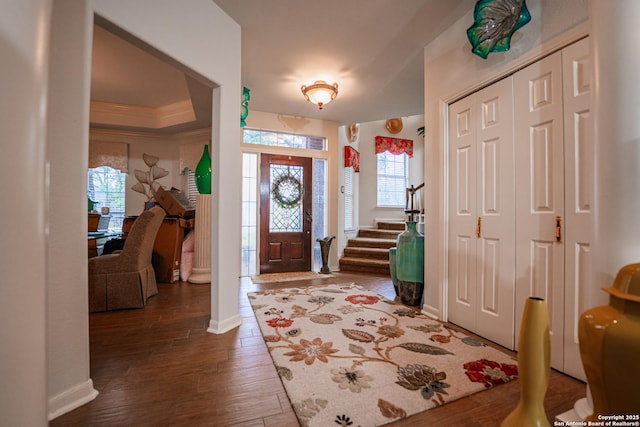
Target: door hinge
x=558, y=229
x=479, y=227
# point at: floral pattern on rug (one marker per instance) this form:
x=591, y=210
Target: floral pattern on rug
x=349, y=357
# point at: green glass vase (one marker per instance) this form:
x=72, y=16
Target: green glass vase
x=203, y=172
x=410, y=265
x=392, y=268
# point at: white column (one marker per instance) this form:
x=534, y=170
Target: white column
x=616, y=137
x=616, y=90
x=201, y=272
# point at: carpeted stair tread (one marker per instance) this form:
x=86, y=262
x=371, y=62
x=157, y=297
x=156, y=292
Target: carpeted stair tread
x=370, y=242
x=365, y=252
x=391, y=225
x=379, y=234
x=364, y=265
x=365, y=261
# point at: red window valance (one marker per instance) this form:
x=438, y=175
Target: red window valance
x=351, y=158
x=394, y=145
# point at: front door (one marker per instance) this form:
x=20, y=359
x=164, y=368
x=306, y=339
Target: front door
x=285, y=213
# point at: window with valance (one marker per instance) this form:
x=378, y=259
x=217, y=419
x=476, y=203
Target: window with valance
x=112, y=154
x=394, y=145
x=392, y=170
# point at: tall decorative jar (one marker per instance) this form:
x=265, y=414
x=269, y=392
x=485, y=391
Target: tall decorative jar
x=410, y=265
x=203, y=172
x=534, y=366
x=609, y=338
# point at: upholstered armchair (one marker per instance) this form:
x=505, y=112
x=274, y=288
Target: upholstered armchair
x=127, y=279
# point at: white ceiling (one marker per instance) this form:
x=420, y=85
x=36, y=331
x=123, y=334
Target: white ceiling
x=373, y=49
x=134, y=88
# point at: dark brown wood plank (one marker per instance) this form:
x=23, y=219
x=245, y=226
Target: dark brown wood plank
x=159, y=366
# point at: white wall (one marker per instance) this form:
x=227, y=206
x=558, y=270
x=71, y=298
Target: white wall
x=367, y=189
x=306, y=126
x=451, y=71
x=204, y=39
x=24, y=33
x=616, y=139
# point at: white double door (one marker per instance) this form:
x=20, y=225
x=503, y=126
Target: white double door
x=520, y=194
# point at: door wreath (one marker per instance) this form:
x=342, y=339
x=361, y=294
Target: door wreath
x=287, y=191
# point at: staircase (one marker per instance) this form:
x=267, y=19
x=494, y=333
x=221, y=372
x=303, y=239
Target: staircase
x=369, y=251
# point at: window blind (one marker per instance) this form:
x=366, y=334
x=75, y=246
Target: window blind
x=392, y=172
x=348, y=199
x=192, y=188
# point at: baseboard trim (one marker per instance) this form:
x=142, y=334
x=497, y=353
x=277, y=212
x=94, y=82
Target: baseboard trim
x=216, y=327
x=71, y=399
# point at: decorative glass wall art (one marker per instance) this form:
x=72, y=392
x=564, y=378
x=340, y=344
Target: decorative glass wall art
x=246, y=96
x=495, y=21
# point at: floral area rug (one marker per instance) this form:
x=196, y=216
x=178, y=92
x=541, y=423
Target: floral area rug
x=347, y=356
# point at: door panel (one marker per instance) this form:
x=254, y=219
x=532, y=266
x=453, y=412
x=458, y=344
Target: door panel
x=285, y=213
x=465, y=263
x=540, y=182
x=462, y=208
x=579, y=195
x=489, y=287
x=496, y=194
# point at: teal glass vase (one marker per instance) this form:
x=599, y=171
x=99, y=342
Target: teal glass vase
x=392, y=268
x=410, y=265
x=203, y=172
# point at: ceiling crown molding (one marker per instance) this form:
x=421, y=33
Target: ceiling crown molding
x=107, y=113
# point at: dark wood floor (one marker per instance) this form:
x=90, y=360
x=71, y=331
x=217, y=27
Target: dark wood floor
x=158, y=366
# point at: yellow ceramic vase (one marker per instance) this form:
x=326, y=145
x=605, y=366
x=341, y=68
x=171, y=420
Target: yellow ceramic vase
x=609, y=339
x=533, y=367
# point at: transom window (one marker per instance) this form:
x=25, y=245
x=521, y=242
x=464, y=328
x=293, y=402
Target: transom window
x=280, y=139
x=393, y=172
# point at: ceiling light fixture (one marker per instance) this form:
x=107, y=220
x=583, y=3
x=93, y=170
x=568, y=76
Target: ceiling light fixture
x=320, y=92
